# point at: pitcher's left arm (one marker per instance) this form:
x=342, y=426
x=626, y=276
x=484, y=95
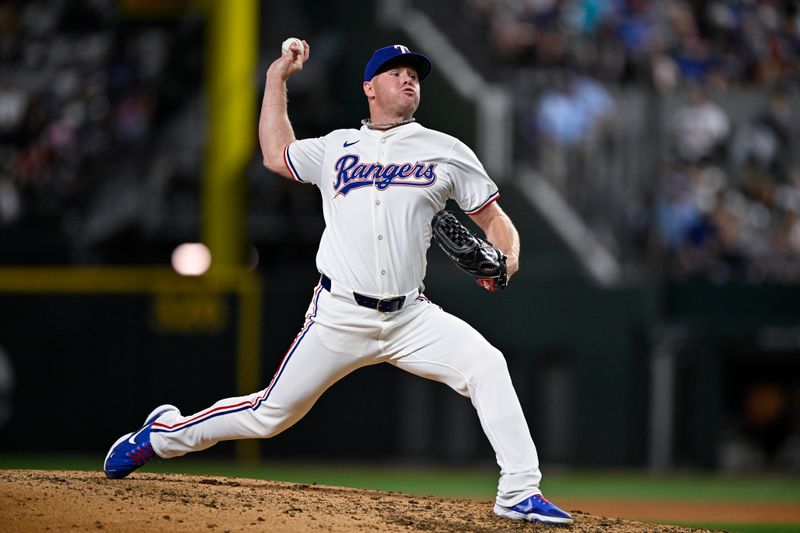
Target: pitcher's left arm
x=501, y=233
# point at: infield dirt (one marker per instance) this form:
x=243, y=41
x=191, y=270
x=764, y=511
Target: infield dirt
x=38, y=500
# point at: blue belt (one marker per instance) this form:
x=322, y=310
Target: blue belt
x=386, y=305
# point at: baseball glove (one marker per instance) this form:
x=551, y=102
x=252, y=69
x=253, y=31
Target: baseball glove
x=471, y=254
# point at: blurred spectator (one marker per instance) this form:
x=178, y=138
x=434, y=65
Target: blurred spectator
x=700, y=129
x=10, y=208
x=561, y=119
x=765, y=142
x=698, y=232
x=676, y=212
x=594, y=101
x=575, y=109
x=567, y=125
x=13, y=104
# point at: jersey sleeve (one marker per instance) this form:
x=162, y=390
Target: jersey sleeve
x=304, y=159
x=472, y=189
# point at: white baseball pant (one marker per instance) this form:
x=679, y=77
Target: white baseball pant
x=338, y=337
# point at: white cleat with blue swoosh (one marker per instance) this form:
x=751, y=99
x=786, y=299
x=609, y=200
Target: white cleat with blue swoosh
x=535, y=509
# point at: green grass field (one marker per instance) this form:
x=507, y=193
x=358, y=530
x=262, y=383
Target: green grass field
x=480, y=483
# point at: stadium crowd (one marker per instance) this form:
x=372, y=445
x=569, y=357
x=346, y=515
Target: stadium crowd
x=725, y=201
x=83, y=92
x=715, y=192
x=665, y=42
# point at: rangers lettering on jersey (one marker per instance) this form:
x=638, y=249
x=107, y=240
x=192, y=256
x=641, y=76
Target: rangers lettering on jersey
x=351, y=174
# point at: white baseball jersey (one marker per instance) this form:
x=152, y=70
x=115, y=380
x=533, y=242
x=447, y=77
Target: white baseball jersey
x=380, y=191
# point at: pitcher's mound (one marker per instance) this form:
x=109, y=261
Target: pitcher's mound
x=37, y=500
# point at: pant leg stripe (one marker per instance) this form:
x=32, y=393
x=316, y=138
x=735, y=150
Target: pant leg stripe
x=158, y=427
x=235, y=408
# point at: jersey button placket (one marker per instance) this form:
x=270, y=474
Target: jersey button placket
x=380, y=226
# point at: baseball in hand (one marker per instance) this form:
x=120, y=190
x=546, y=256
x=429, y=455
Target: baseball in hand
x=288, y=42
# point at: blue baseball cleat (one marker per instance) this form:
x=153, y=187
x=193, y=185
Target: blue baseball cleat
x=133, y=449
x=534, y=509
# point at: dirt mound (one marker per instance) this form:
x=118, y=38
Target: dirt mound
x=36, y=500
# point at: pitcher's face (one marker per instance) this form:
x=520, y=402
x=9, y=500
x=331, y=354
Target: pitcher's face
x=395, y=90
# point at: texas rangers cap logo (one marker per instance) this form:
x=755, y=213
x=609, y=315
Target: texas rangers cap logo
x=396, y=54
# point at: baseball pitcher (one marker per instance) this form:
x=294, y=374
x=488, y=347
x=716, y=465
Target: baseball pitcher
x=383, y=188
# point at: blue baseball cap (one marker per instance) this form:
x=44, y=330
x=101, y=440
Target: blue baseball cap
x=396, y=54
